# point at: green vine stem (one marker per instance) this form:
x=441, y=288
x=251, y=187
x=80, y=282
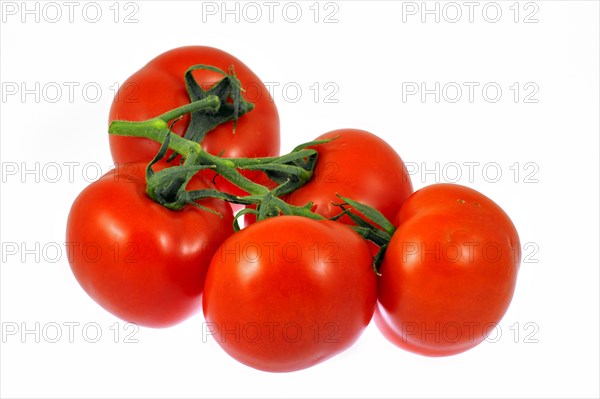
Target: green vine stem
x=157, y=129
x=210, y=103
x=290, y=171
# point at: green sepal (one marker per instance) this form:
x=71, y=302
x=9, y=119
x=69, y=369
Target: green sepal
x=204, y=208
x=167, y=186
x=265, y=209
x=245, y=211
x=313, y=143
x=371, y=213
x=379, y=258
x=291, y=171
x=282, y=173
x=228, y=90
x=162, y=151
x=368, y=231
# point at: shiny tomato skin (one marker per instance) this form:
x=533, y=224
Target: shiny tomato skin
x=289, y=292
x=449, y=273
x=140, y=261
x=358, y=165
x=159, y=87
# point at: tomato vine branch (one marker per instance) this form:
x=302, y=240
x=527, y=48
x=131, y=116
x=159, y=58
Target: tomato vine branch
x=289, y=171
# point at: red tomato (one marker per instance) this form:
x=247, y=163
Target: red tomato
x=449, y=273
x=358, y=165
x=159, y=87
x=289, y=292
x=139, y=260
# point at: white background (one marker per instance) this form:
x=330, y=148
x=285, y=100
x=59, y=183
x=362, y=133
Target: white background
x=365, y=59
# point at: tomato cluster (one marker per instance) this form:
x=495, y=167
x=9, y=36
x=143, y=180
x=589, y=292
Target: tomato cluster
x=334, y=236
